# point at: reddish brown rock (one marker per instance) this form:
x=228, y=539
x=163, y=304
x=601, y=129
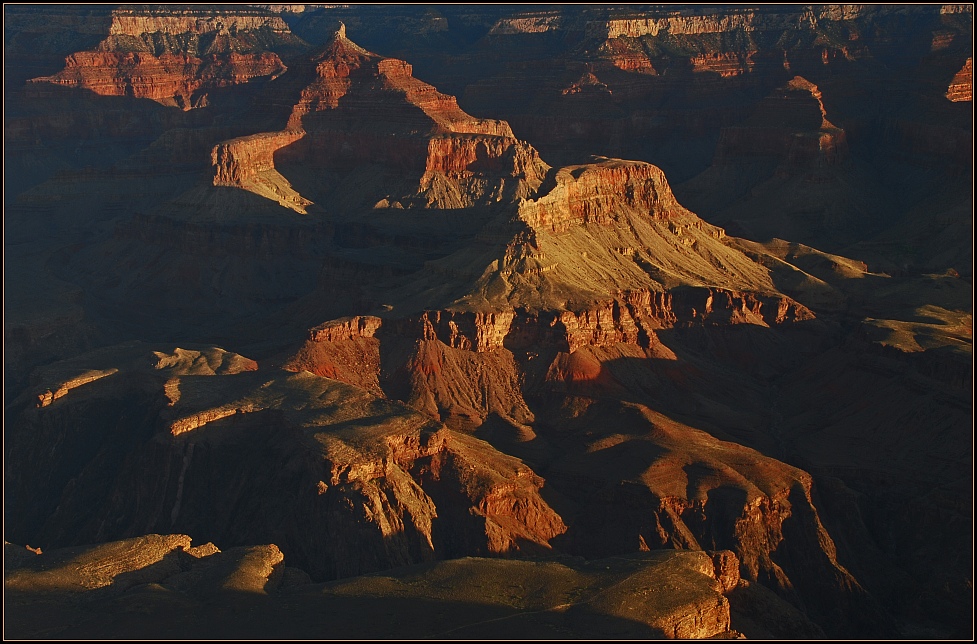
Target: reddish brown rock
x=169, y=79
x=591, y=194
x=176, y=59
x=962, y=86
x=460, y=160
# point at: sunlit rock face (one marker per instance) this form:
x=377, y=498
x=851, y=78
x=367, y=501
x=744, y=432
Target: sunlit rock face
x=410, y=306
x=962, y=86
x=175, y=57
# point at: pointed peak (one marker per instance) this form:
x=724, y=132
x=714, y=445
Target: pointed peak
x=339, y=45
x=339, y=37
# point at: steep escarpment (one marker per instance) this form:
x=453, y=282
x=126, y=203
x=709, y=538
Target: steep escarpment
x=176, y=59
x=465, y=367
x=169, y=79
x=961, y=88
x=593, y=193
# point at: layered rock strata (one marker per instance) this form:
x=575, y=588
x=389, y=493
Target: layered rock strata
x=962, y=86
x=370, y=484
x=176, y=59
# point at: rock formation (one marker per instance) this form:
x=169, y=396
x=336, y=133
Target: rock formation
x=175, y=58
x=191, y=590
x=374, y=491
x=962, y=86
x=659, y=348
x=411, y=127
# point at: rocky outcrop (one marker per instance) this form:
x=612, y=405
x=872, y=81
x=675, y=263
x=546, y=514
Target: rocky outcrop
x=253, y=591
x=594, y=193
x=240, y=161
x=176, y=59
x=248, y=163
x=177, y=79
x=351, y=328
x=344, y=71
x=138, y=21
x=344, y=349
x=962, y=86
x=690, y=491
x=363, y=484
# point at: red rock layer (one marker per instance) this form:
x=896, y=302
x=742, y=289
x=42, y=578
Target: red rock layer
x=348, y=348
x=240, y=160
x=962, y=86
x=627, y=58
x=726, y=64
x=591, y=194
x=173, y=56
x=170, y=79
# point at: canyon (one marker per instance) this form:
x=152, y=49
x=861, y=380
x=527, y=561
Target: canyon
x=604, y=322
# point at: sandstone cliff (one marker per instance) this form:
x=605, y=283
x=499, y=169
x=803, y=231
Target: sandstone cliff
x=962, y=86
x=175, y=58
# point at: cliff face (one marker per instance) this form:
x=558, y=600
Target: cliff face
x=137, y=22
x=593, y=193
x=176, y=59
x=962, y=86
x=169, y=79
